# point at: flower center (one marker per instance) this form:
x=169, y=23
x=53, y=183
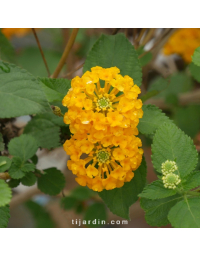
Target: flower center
x=171, y=178
x=102, y=156
x=103, y=103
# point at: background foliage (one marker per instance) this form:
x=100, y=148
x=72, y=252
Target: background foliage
x=169, y=129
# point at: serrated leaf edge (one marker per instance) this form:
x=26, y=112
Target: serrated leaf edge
x=153, y=149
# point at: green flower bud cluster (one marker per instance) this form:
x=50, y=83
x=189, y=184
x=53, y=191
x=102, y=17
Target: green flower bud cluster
x=168, y=167
x=170, y=180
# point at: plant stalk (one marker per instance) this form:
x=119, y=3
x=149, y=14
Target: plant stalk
x=65, y=53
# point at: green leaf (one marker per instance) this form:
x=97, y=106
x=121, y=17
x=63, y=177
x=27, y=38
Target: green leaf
x=23, y=92
x=57, y=120
x=152, y=119
x=28, y=167
x=69, y=202
x=119, y=200
x=81, y=193
x=23, y=147
x=5, y=163
x=111, y=51
x=195, y=71
x=12, y=183
x=15, y=170
x=44, y=131
x=86, y=41
x=172, y=99
x=149, y=95
x=95, y=214
x=198, y=164
x=7, y=51
x=34, y=159
x=144, y=60
x=177, y=83
x=29, y=179
x=36, y=65
x=52, y=182
x=80, y=208
x=156, y=190
x=4, y=216
x=192, y=181
x=5, y=193
x=170, y=143
x=1, y=143
x=19, y=169
x=188, y=119
x=196, y=57
x=159, y=84
x=41, y=216
x=55, y=89
x=185, y=214
x=156, y=211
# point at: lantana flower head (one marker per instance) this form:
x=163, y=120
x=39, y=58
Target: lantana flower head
x=183, y=42
x=102, y=99
x=108, y=162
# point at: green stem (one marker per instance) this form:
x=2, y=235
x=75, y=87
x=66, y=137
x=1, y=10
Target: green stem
x=41, y=51
x=192, y=193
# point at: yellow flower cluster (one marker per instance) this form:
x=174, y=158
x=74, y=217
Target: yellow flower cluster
x=103, y=114
x=183, y=42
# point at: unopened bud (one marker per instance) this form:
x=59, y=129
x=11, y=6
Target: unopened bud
x=56, y=111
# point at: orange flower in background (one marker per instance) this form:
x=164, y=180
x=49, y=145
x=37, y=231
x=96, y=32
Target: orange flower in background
x=103, y=114
x=19, y=32
x=183, y=42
